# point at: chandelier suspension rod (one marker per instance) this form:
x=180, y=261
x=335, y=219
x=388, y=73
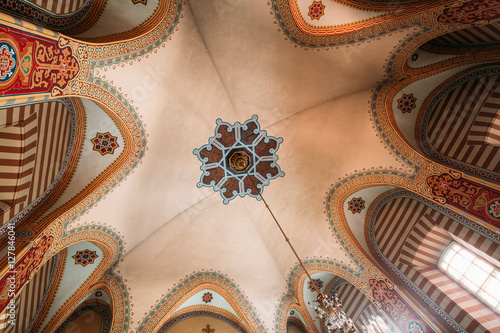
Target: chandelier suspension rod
x=286, y=238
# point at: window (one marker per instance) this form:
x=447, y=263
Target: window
x=478, y=276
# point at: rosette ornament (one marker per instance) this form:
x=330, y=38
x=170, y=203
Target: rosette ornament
x=239, y=160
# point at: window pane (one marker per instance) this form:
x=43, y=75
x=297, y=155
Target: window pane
x=468, y=255
x=484, y=265
x=469, y=284
x=489, y=299
x=476, y=274
x=492, y=286
x=454, y=273
x=460, y=263
x=449, y=256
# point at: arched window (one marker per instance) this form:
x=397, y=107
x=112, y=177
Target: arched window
x=474, y=273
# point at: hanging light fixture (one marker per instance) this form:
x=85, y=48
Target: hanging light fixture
x=328, y=308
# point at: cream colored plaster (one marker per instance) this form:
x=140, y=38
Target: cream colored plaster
x=210, y=235
x=335, y=13
x=264, y=73
x=120, y=16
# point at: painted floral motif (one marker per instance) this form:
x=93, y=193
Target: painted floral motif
x=32, y=64
x=98, y=293
x=239, y=160
x=356, y=205
x=316, y=10
x=415, y=327
x=317, y=282
x=105, y=143
x=466, y=195
x=494, y=209
x=207, y=297
x=7, y=61
x=84, y=257
x=471, y=11
x=44, y=18
x=407, y=103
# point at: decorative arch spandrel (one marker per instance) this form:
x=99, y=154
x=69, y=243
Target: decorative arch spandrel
x=166, y=308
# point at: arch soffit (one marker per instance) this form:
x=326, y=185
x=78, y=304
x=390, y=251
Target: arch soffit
x=161, y=14
x=166, y=307
x=99, y=307
x=102, y=276
x=48, y=197
x=429, y=105
x=69, y=23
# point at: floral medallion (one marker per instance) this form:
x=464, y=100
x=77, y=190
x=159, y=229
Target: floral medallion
x=239, y=160
x=415, y=327
x=494, y=209
x=356, y=205
x=8, y=61
x=316, y=10
x=317, y=282
x=207, y=297
x=84, y=257
x=105, y=143
x=407, y=103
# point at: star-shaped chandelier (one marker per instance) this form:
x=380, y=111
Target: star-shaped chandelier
x=239, y=160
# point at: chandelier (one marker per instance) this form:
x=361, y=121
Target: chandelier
x=328, y=307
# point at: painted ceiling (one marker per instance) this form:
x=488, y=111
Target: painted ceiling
x=177, y=222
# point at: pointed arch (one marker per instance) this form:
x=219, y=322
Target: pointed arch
x=167, y=306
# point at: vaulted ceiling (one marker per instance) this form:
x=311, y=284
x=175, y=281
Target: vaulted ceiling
x=231, y=61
